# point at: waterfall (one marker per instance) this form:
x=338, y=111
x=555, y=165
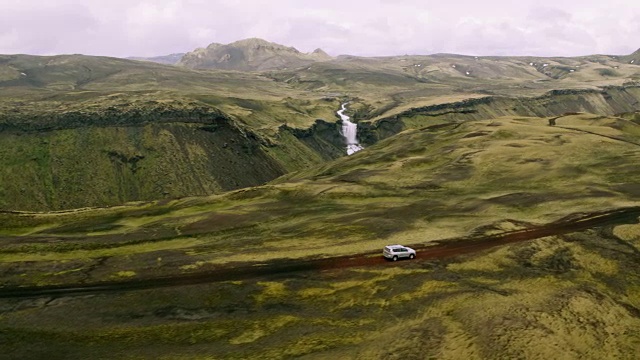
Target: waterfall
x=349, y=131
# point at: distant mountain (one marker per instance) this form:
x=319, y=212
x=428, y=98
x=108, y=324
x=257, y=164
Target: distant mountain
x=250, y=55
x=633, y=58
x=170, y=59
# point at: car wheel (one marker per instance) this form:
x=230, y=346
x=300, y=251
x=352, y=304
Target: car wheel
x=395, y=258
x=412, y=256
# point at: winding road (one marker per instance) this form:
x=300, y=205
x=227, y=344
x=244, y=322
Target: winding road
x=433, y=250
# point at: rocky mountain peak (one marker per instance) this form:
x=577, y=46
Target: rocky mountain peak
x=320, y=55
x=251, y=54
x=256, y=43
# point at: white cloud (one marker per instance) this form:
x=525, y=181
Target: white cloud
x=374, y=27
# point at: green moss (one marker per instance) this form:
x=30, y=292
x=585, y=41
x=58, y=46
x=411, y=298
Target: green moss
x=124, y=274
x=69, y=251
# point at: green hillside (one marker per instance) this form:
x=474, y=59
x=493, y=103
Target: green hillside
x=85, y=131
x=425, y=184
x=562, y=294
x=172, y=212
x=93, y=131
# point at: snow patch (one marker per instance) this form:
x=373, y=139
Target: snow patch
x=468, y=73
x=23, y=74
x=531, y=64
x=545, y=65
x=632, y=61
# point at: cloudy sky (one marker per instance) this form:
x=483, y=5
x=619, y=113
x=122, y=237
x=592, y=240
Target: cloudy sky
x=360, y=27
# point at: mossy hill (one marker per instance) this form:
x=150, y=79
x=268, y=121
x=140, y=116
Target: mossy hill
x=437, y=182
x=94, y=131
x=566, y=295
x=488, y=148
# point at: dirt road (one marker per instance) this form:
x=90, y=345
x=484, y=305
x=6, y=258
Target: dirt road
x=433, y=250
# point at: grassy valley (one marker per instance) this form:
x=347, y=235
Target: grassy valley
x=207, y=213
x=422, y=186
x=162, y=118
x=425, y=184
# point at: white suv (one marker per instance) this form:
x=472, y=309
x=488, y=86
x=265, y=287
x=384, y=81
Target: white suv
x=395, y=252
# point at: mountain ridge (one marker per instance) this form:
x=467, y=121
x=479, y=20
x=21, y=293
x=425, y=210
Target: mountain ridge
x=170, y=59
x=633, y=58
x=251, y=54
